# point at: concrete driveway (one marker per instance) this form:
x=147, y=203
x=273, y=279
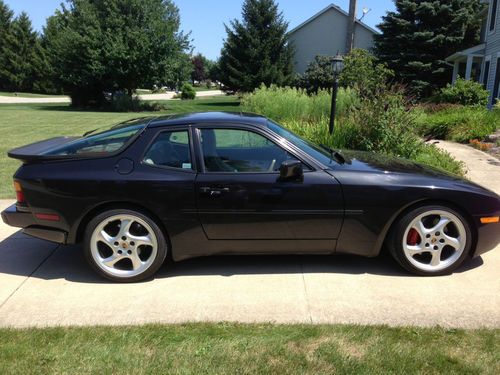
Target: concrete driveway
x=44, y=284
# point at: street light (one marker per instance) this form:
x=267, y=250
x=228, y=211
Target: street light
x=337, y=67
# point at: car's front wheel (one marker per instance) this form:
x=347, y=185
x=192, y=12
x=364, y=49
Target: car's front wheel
x=124, y=245
x=431, y=240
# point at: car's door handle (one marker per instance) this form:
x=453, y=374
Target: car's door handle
x=213, y=191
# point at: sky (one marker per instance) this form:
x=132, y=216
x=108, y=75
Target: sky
x=206, y=18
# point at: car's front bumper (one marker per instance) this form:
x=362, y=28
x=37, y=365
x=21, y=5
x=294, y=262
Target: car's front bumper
x=24, y=219
x=488, y=237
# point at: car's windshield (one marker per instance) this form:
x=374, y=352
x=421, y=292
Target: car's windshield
x=321, y=154
x=103, y=143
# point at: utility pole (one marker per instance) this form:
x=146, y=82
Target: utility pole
x=351, y=23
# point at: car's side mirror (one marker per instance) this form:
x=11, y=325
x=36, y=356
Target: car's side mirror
x=291, y=170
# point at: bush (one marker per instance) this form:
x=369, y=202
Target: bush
x=125, y=103
x=287, y=104
x=459, y=124
x=361, y=71
x=464, y=92
x=380, y=124
x=187, y=91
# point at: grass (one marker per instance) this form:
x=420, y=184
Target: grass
x=227, y=348
x=27, y=95
x=27, y=123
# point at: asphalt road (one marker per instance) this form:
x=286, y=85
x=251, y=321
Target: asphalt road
x=43, y=284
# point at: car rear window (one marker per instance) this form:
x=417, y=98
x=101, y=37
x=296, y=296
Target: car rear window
x=103, y=143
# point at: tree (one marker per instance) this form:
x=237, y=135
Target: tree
x=318, y=75
x=362, y=71
x=115, y=45
x=200, y=68
x=418, y=36
x=256, y=49
x=6, y=15
x=23, y=59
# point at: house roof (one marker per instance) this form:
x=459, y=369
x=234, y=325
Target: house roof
x=336, y=8
x=476, y=50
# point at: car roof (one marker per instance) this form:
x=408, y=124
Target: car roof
x=208, y=117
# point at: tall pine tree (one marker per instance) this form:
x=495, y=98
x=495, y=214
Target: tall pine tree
x=256, y=49
x=418, y=36
x=23, y=59
x=6, y=15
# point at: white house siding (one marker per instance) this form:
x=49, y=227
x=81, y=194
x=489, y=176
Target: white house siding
x=493, y=50
x=326, y=35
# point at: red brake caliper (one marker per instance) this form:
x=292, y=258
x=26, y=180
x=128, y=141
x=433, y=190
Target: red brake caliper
x=413, y=237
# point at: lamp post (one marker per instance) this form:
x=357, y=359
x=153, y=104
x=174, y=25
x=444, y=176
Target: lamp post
x=337, y=66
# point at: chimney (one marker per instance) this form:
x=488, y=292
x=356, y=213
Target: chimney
x=351, y=22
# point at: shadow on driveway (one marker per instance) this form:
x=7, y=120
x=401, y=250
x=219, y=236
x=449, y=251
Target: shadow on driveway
x=24, y=256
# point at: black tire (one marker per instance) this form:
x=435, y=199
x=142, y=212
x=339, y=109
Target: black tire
x=156, y=263
x=395, y=240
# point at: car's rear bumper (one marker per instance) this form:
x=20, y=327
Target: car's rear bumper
x=24, y=219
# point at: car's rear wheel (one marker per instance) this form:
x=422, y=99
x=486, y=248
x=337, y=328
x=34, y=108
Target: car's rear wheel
x=431, y=240
x=124, y=245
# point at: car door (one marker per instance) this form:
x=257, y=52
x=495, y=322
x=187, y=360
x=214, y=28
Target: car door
x=241, y=197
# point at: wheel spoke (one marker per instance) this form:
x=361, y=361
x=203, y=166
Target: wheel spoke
x=124, y=227
x=415, y=249
x=436, y=258
x=421, y=229
x=111, y=260
x=136, y=261
x=106, y=238
x=453, y=242
x=141, y=240
x=439, y=227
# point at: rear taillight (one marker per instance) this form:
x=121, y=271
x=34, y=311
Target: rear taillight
x=19, y=192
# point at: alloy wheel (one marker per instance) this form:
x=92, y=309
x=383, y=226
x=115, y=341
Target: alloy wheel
x=123, y=245
x=434, y=240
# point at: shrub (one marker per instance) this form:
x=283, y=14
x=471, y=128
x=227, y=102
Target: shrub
x=318, y=75
x=287, y=104
x=460, y=124
x=464, y=92
x=188, y=91
x=363, y=71
x=496, y=107
x=125, y=103
x=381, y=123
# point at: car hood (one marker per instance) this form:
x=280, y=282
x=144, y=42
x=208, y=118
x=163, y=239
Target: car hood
x=362, y=161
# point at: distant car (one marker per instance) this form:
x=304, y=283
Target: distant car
x=228, y=183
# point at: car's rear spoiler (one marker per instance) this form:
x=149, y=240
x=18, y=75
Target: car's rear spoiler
x=36, y=151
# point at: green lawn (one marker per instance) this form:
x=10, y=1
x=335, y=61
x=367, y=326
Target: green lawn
x=249, y=349
x=26, y=123
x=27, y=95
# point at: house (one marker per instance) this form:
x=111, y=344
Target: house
x=326, y=33
x=482, y=62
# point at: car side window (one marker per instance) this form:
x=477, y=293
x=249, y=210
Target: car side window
x=170, y=149
x=240, y=151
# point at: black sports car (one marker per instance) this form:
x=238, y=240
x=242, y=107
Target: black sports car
x=230, y=183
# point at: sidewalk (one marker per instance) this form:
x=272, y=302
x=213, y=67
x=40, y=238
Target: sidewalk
x=65, y=99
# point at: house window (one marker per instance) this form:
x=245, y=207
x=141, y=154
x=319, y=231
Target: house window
x=497, y=81
x=493, y=15
x=486, y=73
